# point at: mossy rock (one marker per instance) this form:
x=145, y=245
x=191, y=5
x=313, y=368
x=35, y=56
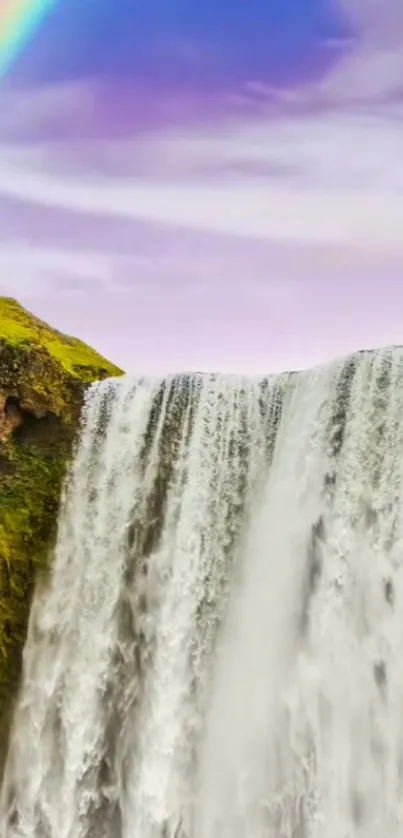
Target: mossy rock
x=43, y=378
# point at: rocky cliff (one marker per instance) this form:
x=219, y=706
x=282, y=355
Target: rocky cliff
x=43, y=377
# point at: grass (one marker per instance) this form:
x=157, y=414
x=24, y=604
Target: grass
x=21, y=329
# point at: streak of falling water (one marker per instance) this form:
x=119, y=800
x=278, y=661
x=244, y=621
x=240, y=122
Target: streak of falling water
x=244, y=760
x=217, y=654
x=192, y=565
x=304, y=734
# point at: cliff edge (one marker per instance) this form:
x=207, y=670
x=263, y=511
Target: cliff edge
x=43, y=377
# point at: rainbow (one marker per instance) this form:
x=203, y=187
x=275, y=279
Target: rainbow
x=19, y=20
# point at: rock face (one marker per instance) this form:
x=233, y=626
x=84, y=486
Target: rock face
x=43, y=377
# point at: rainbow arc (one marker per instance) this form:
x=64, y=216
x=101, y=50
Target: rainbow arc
x=19, y=20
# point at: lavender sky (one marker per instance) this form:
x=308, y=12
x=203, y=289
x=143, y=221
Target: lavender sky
x=208, y=184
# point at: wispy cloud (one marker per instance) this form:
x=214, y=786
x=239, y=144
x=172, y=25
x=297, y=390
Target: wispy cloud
x=321, y=180
x=290, y=204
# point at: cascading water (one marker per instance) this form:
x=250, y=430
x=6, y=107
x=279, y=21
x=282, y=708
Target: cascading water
x=218, y=651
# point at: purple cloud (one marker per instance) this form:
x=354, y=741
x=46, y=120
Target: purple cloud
x=257, y=228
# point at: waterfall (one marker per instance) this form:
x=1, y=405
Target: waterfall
x=217, y=653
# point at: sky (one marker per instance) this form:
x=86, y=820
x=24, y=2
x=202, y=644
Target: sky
x=208, y=184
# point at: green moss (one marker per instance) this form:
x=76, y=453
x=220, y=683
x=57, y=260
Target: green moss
x=28, y=516
x=22, y=330
x=45, y=374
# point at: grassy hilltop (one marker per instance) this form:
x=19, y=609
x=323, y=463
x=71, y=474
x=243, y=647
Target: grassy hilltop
x=43, y=377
